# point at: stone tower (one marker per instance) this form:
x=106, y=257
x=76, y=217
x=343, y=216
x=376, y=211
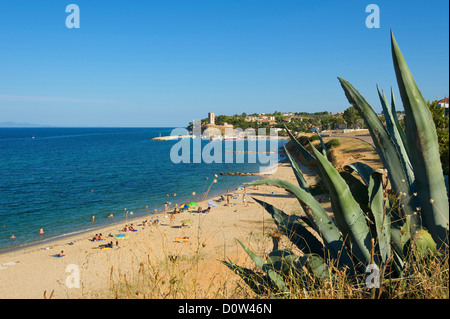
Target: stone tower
x=211, y=119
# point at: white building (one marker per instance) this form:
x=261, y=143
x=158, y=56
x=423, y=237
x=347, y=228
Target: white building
x=443, y=103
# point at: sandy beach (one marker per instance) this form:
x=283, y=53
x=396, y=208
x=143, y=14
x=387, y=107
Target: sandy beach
x=156, y=261
x=88, y=272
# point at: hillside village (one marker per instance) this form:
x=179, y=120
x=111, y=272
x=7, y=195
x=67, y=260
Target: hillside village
x=305, y=122
x=296, y=121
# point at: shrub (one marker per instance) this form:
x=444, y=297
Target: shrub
x=333, y=143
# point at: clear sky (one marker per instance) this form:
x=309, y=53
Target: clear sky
x=168, y=62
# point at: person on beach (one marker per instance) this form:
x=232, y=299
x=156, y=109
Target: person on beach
x=61, y=254
x=93, y=218
x=244, y=201
x=41, y=231
x=12, y=236
x=172, y=219
x=165, y=207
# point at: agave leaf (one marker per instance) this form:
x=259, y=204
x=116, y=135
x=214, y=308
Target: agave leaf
x=294, y=230
x=358, y=189
x=396, y=138
x=349, y=216
x=273, y=275
x=424, y=243
x=377, y=205
x=398, y=263
x=255, y=281
x=282, y=262
x=397, y=122
x=319, y=218
x=303, y=151
x=315, y=265
x=298, y=173
x=423, y=146
x=324, y=148
x=362, y=169
x=385, y=149
x=280, y=253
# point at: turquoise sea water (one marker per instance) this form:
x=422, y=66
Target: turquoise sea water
x=57, y=178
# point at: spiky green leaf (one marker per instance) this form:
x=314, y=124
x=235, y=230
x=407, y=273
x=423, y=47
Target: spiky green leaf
x=319, y=218
x=303, y=151
x=378, y=207
x=298, y=173
x=349, y=216
x=424, y=149
x=290, y=225
x=273, y=275
x=385, y=148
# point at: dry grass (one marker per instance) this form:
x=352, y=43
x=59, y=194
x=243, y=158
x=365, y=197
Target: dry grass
x=196, y=276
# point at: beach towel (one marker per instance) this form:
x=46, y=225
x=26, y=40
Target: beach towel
x=212, y=203
x=121, y=236
x=182, y=239
x=9, y=264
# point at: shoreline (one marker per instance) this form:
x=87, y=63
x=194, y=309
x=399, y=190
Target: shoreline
x=140, y=215
x=30, y=272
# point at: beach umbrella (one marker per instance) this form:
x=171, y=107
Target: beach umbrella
x=212, y=203
x=184, y=206
x=192, y=204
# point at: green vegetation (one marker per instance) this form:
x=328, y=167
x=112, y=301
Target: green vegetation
x=333, y=143
x=441, y=122
x=393, y=220
x=299, y=121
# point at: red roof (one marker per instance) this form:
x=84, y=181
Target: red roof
x=443, y=100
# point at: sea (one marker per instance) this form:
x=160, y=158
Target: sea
x=57, y=178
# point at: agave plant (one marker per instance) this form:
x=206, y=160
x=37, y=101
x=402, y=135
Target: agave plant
x=369, y=226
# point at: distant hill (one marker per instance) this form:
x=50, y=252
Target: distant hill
x=14, y=124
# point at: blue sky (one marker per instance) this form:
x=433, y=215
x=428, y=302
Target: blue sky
x=166, y=63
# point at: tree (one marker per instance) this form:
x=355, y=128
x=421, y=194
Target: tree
x=350, y=116
x=441, y=123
